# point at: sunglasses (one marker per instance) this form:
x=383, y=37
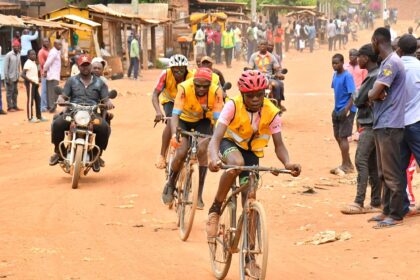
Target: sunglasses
x=201, y=86
x=178, y=71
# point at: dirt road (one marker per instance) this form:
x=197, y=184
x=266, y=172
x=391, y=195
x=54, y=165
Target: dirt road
x=115, y=227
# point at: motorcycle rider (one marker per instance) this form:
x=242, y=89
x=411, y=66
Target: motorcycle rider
x=165, y=92
x=198, y=102
x=86, y=89
x=267, y=63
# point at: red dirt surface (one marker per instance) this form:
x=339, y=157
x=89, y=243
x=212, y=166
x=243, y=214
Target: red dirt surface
x=49, y=231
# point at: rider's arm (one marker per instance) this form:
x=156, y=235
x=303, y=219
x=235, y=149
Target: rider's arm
x=214, y=146
x=283, y=155
x=105, y=97
x=177, y=110
x=156, y=92
x=218, y=104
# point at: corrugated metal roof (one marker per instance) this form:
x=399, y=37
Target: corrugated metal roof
x=42, y=23
x=11, y=21
x=9, y=6
x=78, y=19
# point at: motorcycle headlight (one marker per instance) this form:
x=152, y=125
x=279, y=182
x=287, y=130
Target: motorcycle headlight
x=82, y=118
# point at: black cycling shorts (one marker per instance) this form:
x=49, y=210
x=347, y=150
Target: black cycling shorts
x=167, y=107
x=203, y=126
x=227, y=146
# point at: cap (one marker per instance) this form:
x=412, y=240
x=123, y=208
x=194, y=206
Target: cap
x=84, y=59
x=100, y=60
x=206, y=58
x=203, y=73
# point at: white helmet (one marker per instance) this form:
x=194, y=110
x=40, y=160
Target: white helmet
x=178, y=60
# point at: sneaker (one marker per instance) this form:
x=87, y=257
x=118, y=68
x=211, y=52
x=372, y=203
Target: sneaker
x=101, y=162
x=212, y=225
x=96, y=167
x=34, y=120
x=2, y=112
x=161, y=162
x=42, y=119
x=54, y=159
x=168, y=194
x=252, y=269
x=200, y=204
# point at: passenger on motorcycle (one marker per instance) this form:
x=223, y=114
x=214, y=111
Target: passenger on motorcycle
x=266, y=63
x=86, y=89
x=165, y=92
x=198, y=103
x=207, y=62
x=243, y=131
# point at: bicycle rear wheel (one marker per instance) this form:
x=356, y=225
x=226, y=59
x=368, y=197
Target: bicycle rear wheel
x=188, y=202
x=219, y=247
x=254, y=246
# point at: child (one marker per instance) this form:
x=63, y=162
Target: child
x=31, y=76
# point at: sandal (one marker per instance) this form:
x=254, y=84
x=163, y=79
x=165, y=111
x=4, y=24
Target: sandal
x=371, y=209
x=387, y=223
x=338, y=171
x=377, y=218
x=161, y=162
x=353, y=208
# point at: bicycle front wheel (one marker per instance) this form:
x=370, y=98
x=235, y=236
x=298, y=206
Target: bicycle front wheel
x=188, y=203
x=220, y=247
x=254, y=248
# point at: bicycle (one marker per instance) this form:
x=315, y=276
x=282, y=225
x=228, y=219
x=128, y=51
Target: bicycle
x=186, y=190
x=251, y=226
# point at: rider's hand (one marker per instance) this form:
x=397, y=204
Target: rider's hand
x=109, y=105
x=60, y=99
x=174, y=142
x=214, y=164
x=295, y=168
x=158, y=118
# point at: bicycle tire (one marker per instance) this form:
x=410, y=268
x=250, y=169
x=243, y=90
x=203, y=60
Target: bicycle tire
x=222, y=243
x=78, y=157
x=177, y=199
x=188, y=201
x=261, y=241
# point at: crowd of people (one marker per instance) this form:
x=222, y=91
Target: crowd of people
x=380, y=88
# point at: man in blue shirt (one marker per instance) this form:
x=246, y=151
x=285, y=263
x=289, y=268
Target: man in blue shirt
x=389, y=97
x=407, y=46
x=343, y=113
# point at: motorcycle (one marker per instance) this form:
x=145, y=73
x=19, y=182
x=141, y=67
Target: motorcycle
x=78, y=149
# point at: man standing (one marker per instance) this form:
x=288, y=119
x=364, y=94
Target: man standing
x=209, y=40
x=217, y=37
x=52, y=71
x=288, y=34
x=353, y=67
x=228, y=42
x=311, y=36
x=238, y=42
x=11, y=77
x=366, y=166
x=252, y=39
x=134, y=58
x=411, y=141
x=278, y=40
x=389, y=95
x=26, y=44
x=42, y=58
x=2, y=112
x=331, y=33
x=199, y=41
x=343, y=113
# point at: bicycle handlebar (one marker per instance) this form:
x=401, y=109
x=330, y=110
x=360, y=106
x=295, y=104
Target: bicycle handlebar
x=196, y=134
x=256, y=168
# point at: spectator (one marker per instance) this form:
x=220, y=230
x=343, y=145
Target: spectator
x=26, y=44
x=389, y=96
x=343, y=113
x=269, y=36
x=411, y=32
x=199, y=41
x=238, y=42
x=407, y=46
x=278, y=40
x=217, y=37
x=104, y=51
x=2, y=112
x=252, y=39
x=311, y=36
x=339, y=35
x=288, y=34
x=331, y=34
x=52, y=70
x=209, y=40
x=297, y=31
x=16, y=39
x=366, y=152
x=134, y=58
x=31, y=77
x=353, y=67
x=42, y=58
x=228, y=42
x=11, y=76
x=385, y=16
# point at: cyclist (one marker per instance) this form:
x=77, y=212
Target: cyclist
x=165, y=91
x=197, y=103
x=243, y=130
x=267, y=63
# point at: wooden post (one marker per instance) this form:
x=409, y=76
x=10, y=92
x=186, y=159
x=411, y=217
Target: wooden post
x=153, y=43
x=127, y=57
x=144, y=46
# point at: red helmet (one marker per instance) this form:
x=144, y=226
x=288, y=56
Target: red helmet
x=252, y=80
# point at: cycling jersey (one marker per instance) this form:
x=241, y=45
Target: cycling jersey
x=167, y=85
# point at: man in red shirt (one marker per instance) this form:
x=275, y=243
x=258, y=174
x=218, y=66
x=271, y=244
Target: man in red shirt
x=42, y=58
x=217, y=37
x=278, y=40
x=353, y=67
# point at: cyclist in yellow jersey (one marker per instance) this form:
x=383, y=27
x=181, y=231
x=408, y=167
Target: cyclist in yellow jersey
x=197, y=103
x=165, y=92
x=243, y=131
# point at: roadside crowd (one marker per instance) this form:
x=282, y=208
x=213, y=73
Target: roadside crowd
x=380, y=87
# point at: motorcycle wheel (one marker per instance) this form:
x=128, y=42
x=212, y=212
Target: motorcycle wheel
x=77, y=166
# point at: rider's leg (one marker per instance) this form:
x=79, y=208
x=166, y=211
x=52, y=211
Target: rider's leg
x=202, y=170
x=166, y=136
x=58, y=127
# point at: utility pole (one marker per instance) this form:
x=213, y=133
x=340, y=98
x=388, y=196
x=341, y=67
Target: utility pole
x=254, y=10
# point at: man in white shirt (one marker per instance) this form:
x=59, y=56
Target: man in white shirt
x=200, y=45
x=26, y=44
x=52, y=71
